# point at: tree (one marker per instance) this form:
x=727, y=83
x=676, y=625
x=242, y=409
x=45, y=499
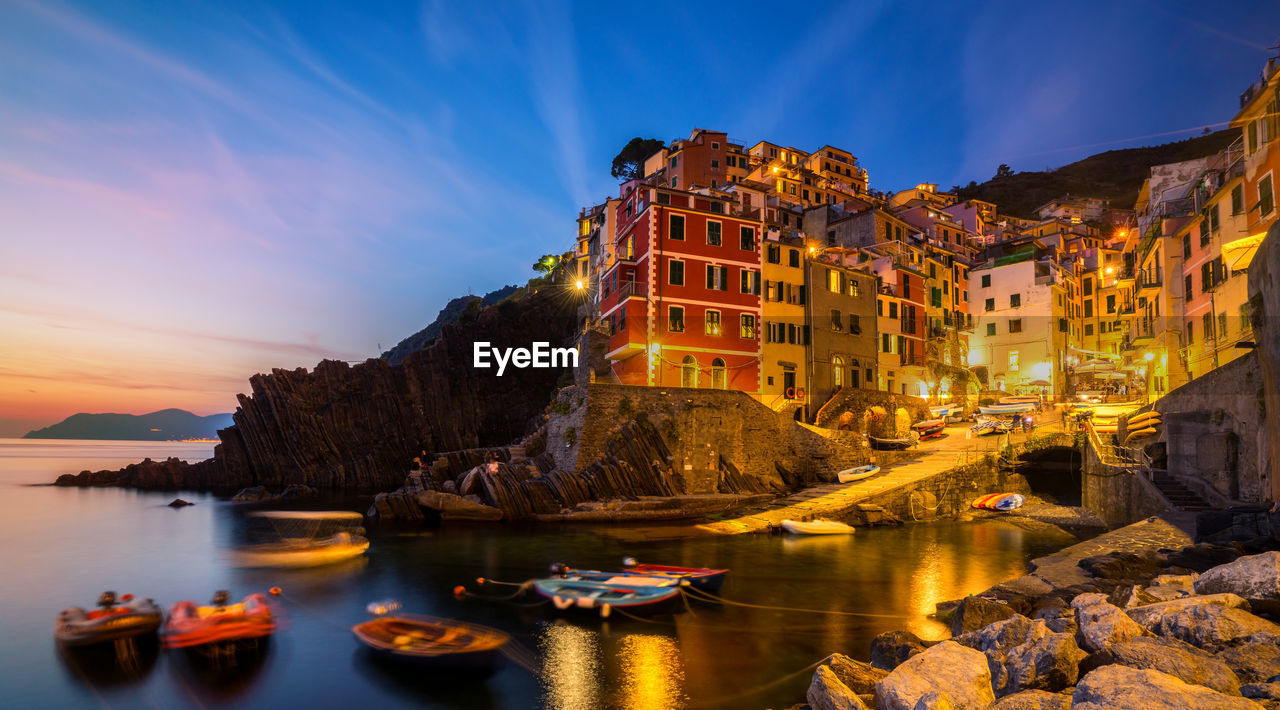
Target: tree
x=1003, y=171
x=546, y=264
x=629, y=161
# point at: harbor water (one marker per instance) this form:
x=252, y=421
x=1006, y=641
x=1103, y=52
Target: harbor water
x=63, y=547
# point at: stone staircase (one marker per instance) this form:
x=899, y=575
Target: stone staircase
x=1180, y=496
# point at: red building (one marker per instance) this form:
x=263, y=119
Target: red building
x=682, y=300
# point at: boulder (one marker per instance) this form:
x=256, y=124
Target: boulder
x=470, y=483
x=1261, y=691
x=1169, y=592
x=960, y=672
x=1122, y=566
x=251, y=494
x=452, y=507
x=1127, y=596
x=1051, y=663
x=1152, y=615
x=1002, y=636
x=1102, y=624
x=934, y=700
x=891, y=648
x=1254, y=660
x=826, y=692
x=1033, y=700
x=1256, y=577
x=179, y=503
x=1117, y=687
x=1202, y=556
x=973, y=613
x=1212, y=626
x=1176, y=580
x=1180, y=660
x=297, y=491
x=859, y=677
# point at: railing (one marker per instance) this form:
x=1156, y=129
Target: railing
x=1128, y=308
x=632, y=289
x=1149, y=279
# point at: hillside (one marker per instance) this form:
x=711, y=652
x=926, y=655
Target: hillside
x=1115, y=175
x=451, y=313
x=164, y=425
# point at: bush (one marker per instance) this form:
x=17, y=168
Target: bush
x=558, y=407
x=625, y=407
x=570, y=436
x=986, y=401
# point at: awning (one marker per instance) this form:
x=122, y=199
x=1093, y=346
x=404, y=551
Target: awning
x=1239, y=253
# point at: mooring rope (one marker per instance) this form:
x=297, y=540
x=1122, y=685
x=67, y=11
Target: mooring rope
x=707, y=596
x=719, y=700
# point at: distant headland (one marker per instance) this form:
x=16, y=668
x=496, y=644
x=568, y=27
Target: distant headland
x=164, y=425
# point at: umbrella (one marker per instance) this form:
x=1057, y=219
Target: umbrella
x=1110, y=375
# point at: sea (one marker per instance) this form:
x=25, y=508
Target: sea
x=790, y=601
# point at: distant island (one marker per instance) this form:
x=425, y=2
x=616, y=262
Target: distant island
x=164, y=425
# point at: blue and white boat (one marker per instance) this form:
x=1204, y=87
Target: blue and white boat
x=630, y=593
x=1013, y=408
x=706, y=579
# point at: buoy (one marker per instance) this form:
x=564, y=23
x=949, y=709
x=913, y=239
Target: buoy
x=604, y=611
x=480, y=580
x=126, y=597
x=459, y=591
x=275, y=591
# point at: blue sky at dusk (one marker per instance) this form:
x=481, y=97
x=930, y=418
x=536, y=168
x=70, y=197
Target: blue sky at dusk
x=194, y=192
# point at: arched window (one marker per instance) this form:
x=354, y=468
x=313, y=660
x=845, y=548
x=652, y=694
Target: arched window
x=688, y=372
x=837, y=371
x=719, y=380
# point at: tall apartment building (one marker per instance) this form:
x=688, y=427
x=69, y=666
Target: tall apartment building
x=786, y=341
x=842, y=314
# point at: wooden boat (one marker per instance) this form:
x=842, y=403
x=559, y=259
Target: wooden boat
x=1143, y=419
x=706, y=579
x=302, y=540
x=816, y=527
x=115, y=619
x=929, y=428
x=997, y=409
x=943, y=411
x=428, y=641
x=879, y=443
x=849, y=475
x=1020, y=399
x=191, y=625
x=630, y=593
x=991, y=426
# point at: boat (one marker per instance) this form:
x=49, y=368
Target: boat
x=433, y=642
x=849, y=475
x=629, y=593
x=115, y=619
x=991, y=426
x=706, y=579
x=943, y=411
x=879, y=443
x=1020, y=399
x=816, y=527
x=1140, y=434
x=219, y=623
x=305, y=539
x=1143, y=418
x=997, y=409
x=999, y=501
x=929, y=428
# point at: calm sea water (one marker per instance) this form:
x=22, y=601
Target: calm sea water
x=62, y=547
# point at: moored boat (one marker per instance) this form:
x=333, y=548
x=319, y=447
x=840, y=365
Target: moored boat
x=115, y=619
x=991, y=426
x=706, y=579
x=630, y=593
x=849, y=475
x=881, y=443
x=929, y=428
x=433, y=642
x=816, y=527
x=218, y=623
x=999, y=501
x=997, y=409
x=305, y=539
x=944, y=410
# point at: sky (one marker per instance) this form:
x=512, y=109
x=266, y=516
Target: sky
x=191, y=192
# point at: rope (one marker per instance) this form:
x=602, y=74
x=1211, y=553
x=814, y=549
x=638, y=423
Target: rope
x=707, y=596
x=720, y=700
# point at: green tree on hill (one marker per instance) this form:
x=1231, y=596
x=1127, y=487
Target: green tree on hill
x=629, y=162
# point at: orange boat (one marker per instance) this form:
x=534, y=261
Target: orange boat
x=191, y=625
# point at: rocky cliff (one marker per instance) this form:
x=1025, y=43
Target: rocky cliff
x=357, y=427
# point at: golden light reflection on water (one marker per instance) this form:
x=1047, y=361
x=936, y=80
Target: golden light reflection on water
x=570, y=667
x=652, y=672
x=926, y=587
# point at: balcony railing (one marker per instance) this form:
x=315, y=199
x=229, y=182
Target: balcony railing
x=1149, y=279
x=632, y=289
x=1128, y=308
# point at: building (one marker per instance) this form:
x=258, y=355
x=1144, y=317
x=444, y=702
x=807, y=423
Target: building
x=900, y=320
x=1076, y=209
x=701, y=160
x=842, y=314
x=682, y=299
x=785, y=363
x=1259, y=124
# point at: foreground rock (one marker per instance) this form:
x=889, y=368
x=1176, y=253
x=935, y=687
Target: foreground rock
x=455, y=507
x=1103, y=624
x=973, y=613
x=260, y=494
x=959, y=672
x=1255, y=659
x=890, y=649
x=859, y=677
x=1122, y=688
x=1211, y=627
x=827, y=692
x=1033, y=700
x=1180, y=660
x=1152, y=616
x=1025, y=655
x=1256, y=577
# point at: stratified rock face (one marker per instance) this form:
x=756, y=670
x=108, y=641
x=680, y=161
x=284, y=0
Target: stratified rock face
x=357, y=427
x=1256, y=577
x=959, y=672
x=1123, y=688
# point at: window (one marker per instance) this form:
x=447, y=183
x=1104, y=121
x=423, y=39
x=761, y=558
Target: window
x=1186, y=285
x=893, y=309
x=675, y=273
x=675, y=182
x=715, y=145
x=886, y=343
x=1206, y=324
x=713, y=322
x=1266, y=198
x=1015, y=325
x=664, y=198
x=719, y=379
x=991, y=329
x=1237, y=199
x=747, y=238
x=1211, y=216
x=1111, y=301
x=833, y=281
x=675, y=160
x=1088, y=329
x=793, y=257
x=751, y=282
x=1206, y=276
x=747, y=327
x=935, y=297
x=1186, y=246
x=986, y=280
x=675, y=319
x=837, y=371
x=717, y=207
x=855, y=324
x=713, y=233
x=837, y=320
x=855, y=288
x=1013, y=361
x=715, y=164
x=688, y=372
x=1222, y=324
x=1088, y=308
x=1088, y=287
x=1191, y=332
x=717, y=278
x=773, y=253
x=676, y=231
x=1015, y=300
x=1063, y=326
x=991, y=304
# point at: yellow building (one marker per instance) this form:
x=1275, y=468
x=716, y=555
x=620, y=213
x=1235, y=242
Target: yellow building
x=785, y=334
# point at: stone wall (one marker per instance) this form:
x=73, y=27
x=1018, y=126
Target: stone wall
x=1116, y=495
x=858, y=401
x=703, y=429
x=1264, y=314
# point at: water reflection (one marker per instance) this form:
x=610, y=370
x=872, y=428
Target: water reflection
x=425, y=686
x=107, y=665
x=571, y=673
x=652, y=673
x=221, y=673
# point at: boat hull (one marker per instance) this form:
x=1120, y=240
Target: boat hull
x=849, y=475
x=192, y=626
x=816, y=527
x=132, y=619
x=601, y=598
x=294, y=557
x=449, y=645
x=890, y=444
x=997, y=409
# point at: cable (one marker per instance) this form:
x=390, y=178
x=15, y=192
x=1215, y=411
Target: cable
x=707, y=596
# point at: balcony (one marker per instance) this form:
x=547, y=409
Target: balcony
x=633, y=289
x=1143, y=329
x=1149, y=279
x=1127, y=308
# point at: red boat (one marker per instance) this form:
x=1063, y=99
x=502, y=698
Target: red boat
x=708, y=580
x=191, y=625
x=929, y=429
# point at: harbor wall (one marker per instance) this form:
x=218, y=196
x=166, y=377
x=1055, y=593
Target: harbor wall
x=1116, y=495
